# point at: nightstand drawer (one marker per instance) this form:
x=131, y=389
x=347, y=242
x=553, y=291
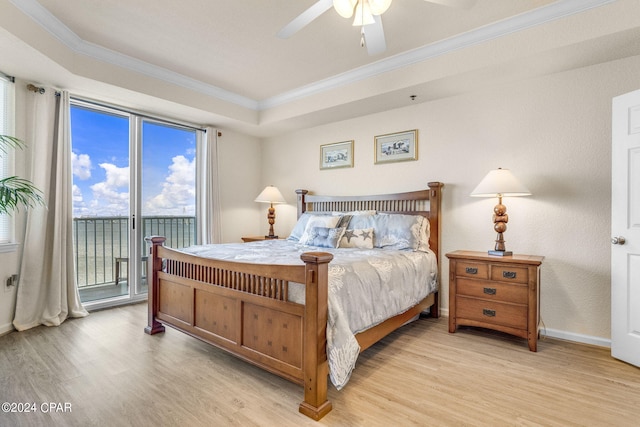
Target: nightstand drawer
x=512, y=315
x=472, y=269
x=510, y=274
x=493, y=290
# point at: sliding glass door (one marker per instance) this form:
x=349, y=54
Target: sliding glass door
x=101, y=201
x=168, y=186
x=132, y=177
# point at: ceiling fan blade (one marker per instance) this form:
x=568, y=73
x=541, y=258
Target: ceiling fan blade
x=302, y=20
x=461, y=4
x=374, y=37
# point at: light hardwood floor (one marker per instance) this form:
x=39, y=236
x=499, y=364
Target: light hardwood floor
x=112, y=374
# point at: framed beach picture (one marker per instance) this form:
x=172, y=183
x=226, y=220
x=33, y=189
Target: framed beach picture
x=396, y=147
x=336, y=155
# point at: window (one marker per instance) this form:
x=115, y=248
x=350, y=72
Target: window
x=133, y=176
x=6, y=158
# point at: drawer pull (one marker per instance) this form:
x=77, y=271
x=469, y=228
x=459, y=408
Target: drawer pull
x=471, y=270
x=490, y=291
x=509, y=274
x=489, y=313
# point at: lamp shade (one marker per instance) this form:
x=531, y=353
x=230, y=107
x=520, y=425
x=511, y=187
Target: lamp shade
x=270, y=194
x=498, y=183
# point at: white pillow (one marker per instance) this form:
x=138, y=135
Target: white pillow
x=300, y=226
x=328, y=221
x=396, y=231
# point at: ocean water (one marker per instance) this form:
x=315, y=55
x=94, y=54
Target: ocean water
x=99, y=241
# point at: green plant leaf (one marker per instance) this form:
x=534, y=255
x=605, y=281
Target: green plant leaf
x=7, y=141
x=14, y=191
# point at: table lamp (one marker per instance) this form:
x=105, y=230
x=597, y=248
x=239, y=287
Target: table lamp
x=271, y=195
x=500, y=183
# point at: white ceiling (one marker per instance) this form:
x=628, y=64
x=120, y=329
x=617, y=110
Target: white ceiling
x=219, y=62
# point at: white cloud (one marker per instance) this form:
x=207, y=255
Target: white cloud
x=77, y=195
x=111, y=196
x=79, y=205
x=107, y=199
x=178, y=191
x=81, y=165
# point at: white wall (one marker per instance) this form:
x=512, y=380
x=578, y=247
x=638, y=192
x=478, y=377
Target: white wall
x=240, y=172
x=553, y=132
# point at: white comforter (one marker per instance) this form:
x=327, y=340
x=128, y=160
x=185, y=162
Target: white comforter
x=366, y=286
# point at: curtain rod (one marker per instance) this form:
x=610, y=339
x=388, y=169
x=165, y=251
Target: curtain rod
x=36, y=89
x=138, y=113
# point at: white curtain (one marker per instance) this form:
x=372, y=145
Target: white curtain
x=210, y=230
x=47, y=291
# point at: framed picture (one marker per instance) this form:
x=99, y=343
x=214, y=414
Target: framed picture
x=336, y=155
x=396, y=147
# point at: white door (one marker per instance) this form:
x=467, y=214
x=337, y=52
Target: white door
x=625, y=228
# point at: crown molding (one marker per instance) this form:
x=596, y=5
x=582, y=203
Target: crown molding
x=539, y=16
x=54, y=26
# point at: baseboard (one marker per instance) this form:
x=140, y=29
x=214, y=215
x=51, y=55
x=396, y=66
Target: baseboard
x=562, y=335
x=6, y=328
x=571, y=336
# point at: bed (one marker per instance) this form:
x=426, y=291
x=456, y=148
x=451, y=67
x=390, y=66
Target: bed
x=250, y=304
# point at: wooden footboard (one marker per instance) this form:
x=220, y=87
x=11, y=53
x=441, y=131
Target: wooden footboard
x=245, y=309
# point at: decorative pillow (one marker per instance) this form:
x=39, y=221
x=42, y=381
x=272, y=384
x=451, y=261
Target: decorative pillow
x=358, y=238
x=396, y=231
x=300, y=226
x=328, y=221
x=425, y=232
x=323, y=237
x=344, y=221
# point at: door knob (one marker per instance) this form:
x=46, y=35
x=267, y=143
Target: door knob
x=618, y=240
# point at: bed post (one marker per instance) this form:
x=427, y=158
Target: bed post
x=315, y=367
x=435, y=190
x=154, y=265
x=302, y=205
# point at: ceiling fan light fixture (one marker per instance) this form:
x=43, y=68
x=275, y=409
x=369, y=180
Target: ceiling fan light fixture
x=344, y=7
x=363, y=15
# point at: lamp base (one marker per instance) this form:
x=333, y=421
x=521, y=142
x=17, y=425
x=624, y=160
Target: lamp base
x=270, y=237
x=500, y=253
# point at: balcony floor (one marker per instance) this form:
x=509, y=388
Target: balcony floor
x=106, y=291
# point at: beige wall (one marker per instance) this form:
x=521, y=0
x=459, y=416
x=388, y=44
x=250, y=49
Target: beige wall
x=8, y=266
x=240, y=171
x=553, y=132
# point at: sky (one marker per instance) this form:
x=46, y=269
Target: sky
x=101, y=166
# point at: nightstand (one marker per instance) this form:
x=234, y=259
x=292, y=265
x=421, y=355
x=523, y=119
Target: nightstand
x=494, y=292
x=256, y=238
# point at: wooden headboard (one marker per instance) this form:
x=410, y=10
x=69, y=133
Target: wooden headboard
x=422, y=202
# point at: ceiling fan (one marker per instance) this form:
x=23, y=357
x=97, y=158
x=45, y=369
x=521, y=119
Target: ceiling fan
x=367, y=15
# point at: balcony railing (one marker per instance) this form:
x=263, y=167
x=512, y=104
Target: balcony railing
x=99, y=241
